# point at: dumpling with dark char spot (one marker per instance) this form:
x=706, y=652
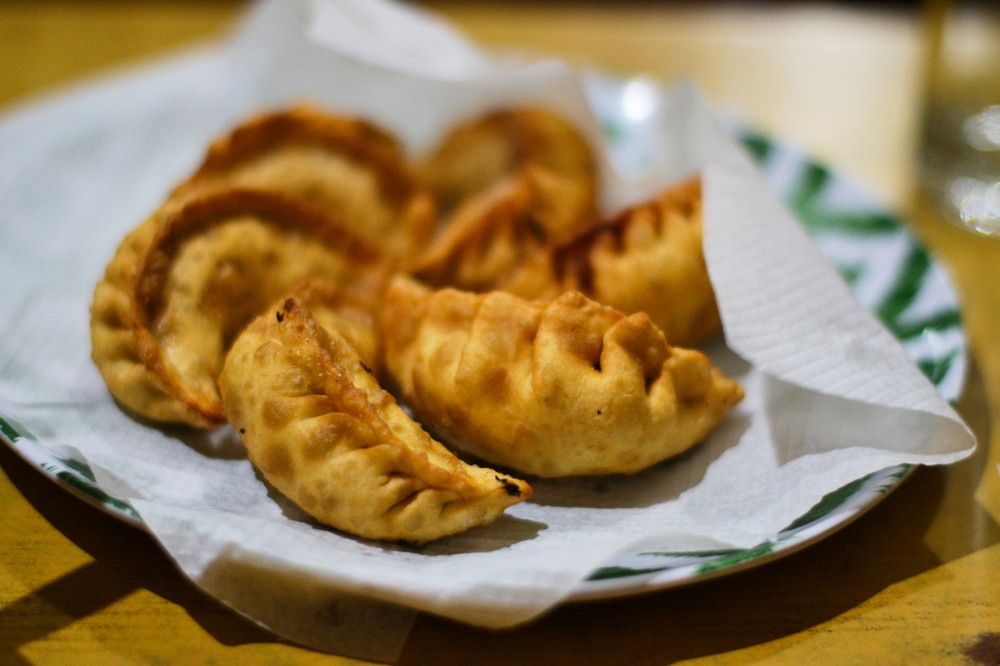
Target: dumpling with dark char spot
x=322, y=431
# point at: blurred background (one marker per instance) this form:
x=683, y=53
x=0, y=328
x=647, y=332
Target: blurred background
x=852, y=84
x=821, y=101
x=852, y=95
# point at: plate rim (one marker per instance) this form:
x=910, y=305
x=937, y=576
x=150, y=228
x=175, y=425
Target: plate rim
x=75, y=476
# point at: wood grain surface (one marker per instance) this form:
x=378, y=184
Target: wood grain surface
x=915, y=580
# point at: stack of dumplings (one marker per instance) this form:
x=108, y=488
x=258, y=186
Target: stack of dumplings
x=317, y=290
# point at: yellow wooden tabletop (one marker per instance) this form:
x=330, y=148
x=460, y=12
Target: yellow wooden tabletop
x=915, y=580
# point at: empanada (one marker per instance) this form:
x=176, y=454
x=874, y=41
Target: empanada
x=524, y=142
x=338, y=309
x=322, y=431
x=646, y=259
x=184, y=283
x=489, y=237
x=560, y=388
x=349, y=167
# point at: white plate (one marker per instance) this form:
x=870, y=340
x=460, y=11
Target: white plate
x=889, y=272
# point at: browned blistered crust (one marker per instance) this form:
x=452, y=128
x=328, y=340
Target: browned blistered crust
x=488, y=238
x=183, y=284
x=346, y=166
x=549, y=388
x=511, y=182
x=340, y=309
x=528, y=332
x=524, y=142
x=647, y=258
x=322, y=431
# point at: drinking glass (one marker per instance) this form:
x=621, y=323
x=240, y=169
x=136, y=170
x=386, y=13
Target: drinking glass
x=959, y=159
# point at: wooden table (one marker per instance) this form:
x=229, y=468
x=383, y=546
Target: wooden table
x=916, y=579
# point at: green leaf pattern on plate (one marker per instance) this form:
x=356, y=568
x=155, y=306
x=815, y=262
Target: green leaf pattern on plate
x=79, y=476
x=12, y=430
x=933, y=338
x=71, y=471
x=894, y=293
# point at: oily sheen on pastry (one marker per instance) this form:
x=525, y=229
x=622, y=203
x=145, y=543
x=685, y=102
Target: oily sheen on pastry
x=646, y=259
x=338, y=309
x=521, y=142
x=184, y=283
x=489, y=237
x=322, y=431
x=548, y=388
x=347, y=166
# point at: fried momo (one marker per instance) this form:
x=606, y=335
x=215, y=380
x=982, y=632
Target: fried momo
x=561, y=388
x=346, y=166
x=184, y=283
x=488, y=239
x=646, y=259
x=322, y=431
x=525, y=142
x=337, y=309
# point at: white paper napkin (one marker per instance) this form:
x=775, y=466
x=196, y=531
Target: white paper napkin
x=831, y=396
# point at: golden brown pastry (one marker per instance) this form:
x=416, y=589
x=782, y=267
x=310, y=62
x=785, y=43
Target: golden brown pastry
x=347, y=166
x=184, y=283
x=646, y=259
x=338, y=309
x=488, y=238
x=560, y=388
x=322, y=431
x=525, y=142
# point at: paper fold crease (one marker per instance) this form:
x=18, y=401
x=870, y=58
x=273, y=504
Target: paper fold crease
x=831, y=394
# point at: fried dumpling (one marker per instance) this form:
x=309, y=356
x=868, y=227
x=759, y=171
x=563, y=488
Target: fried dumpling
x=561, y=388
x=347, y=166
x=648, y=259
x=184, y=283
x=338, y=309
x=524, y=142
x=323, y=432
x=488, y=238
